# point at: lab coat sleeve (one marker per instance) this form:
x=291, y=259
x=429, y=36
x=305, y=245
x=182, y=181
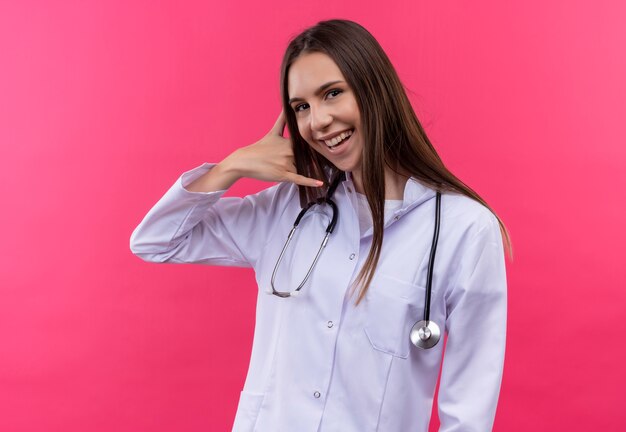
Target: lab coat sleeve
x=476, y=331
x=205, y=227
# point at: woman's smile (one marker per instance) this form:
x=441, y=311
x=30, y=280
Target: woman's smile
x=338, y=142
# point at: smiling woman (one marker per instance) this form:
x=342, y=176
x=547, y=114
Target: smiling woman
x=357, y=168
x=344, y=54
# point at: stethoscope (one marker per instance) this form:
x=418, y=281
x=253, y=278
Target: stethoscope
x=425, y=333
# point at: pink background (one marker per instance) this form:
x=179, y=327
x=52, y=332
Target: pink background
x=103, y=104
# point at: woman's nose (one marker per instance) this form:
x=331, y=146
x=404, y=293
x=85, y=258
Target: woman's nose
x=320, y=118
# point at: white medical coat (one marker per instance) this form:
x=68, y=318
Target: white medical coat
x=320, y=364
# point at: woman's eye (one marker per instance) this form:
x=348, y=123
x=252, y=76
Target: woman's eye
x=297, y=108
x=334, y=91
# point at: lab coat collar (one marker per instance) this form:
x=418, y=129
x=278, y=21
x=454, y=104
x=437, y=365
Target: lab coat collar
x=415, y=193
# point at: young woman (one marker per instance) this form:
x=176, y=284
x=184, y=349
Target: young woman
x=346, y=337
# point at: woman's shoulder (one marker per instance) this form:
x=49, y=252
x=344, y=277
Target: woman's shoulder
x=465, y=214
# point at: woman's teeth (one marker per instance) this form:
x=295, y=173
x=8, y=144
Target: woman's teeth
x=338, y=139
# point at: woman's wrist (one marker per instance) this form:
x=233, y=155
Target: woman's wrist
x=220, y=177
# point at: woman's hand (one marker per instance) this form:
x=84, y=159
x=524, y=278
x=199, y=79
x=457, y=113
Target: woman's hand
x=269, y=159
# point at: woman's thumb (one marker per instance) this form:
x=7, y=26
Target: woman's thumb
x=279, y=126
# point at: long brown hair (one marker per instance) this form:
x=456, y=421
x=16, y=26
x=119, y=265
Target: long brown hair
x=392, y=133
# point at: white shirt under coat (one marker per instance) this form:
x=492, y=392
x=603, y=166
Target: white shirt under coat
x=321, y=364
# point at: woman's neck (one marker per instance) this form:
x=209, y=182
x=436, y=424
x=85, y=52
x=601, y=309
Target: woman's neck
x=394, y=184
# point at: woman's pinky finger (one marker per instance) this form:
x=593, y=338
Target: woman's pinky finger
x=304, y=181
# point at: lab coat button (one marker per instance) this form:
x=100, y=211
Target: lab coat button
x=352, y=256
x=317, y=394
x=330, y=324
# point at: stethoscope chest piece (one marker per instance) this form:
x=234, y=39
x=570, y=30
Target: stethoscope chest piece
x=425, y=334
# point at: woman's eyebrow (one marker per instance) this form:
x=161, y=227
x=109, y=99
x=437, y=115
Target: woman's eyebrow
x=317, y=92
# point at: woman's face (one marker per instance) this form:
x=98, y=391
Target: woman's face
x=326, y=110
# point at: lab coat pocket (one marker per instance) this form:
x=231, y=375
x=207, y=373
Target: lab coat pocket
x=392, y=307
x=247, y=411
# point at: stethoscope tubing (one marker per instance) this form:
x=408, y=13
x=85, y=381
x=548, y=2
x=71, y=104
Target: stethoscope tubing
x=431, y=259
x=329, y=229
